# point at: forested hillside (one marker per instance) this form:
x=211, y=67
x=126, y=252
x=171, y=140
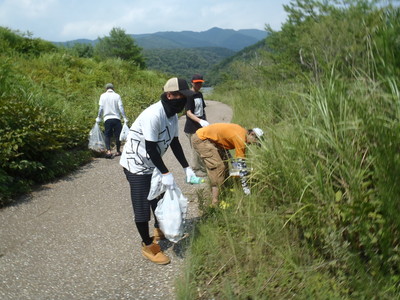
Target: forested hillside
x=183, y=53
x=186, y=62
x=322, y=221
x=250, y=56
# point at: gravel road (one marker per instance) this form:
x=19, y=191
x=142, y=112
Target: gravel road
x=76, y=238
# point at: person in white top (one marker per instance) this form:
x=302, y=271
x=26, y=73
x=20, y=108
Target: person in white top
x=154, y=130
x=110, y=110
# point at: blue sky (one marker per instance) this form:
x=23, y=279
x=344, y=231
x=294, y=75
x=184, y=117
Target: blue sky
x=64, y=20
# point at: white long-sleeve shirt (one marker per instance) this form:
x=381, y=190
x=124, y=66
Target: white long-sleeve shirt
x=111, y=106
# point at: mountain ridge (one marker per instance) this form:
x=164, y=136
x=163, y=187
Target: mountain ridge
x=231, y=39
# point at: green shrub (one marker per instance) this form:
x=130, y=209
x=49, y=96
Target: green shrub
x=48, y=105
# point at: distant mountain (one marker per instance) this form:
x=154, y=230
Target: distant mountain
x=215, y=37
x=187, y=52
x=79, y=41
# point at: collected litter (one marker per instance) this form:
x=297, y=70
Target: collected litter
x=195, y=180
x=124, y=133
x=171, y=209
x=96, y=139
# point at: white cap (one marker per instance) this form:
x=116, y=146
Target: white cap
x=178, y=85
x=259, y=133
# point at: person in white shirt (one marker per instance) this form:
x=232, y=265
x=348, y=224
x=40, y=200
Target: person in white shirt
x=110, y=110
x=154, y=130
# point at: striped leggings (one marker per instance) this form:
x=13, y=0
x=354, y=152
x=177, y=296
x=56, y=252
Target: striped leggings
x=140, y=187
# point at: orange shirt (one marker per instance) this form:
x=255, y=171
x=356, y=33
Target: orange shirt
x=226, y=135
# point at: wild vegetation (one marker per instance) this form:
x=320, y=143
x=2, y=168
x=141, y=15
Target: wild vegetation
x=181, y=62
x=322, y=221
x=49, y=102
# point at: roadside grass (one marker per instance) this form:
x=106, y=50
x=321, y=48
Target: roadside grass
x=321, y=220
x=246, y=252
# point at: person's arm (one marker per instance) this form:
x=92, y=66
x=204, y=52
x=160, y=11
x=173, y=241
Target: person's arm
x=100, y=114
x=121, y=109
x=203, y=123
x=240, y=150
x=193, y=116
x=151, y=148
x=176, y=148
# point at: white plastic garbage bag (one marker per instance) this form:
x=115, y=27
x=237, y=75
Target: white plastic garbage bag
x=96, y=139
x=156, y=187
x=124, y=133
x=171, y=214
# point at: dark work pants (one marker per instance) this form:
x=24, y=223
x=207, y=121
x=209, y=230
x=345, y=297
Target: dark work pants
x=112, y=127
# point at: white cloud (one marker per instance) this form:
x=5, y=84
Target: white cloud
x=27, y=8
x=87, y=29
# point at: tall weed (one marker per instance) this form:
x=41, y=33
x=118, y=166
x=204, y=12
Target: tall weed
x=330, y=170
x=322, y=219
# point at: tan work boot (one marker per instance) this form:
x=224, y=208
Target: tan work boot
x=153, y=253
x=158, y=234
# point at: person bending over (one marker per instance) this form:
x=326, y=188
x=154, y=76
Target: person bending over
x=154, y=130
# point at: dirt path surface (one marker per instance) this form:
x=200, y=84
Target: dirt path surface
x=76, y=238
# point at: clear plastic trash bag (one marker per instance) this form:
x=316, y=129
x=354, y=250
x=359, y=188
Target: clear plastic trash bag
x=156, y=187
x=124, y=133
x=171, y=214
x=96, y=139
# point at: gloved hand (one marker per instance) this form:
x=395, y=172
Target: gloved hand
x=246, y=190
x=204, y=123
x=189, y=173
x=126, y=121
x=98, y=120
x=168, y=180
x=241, y=164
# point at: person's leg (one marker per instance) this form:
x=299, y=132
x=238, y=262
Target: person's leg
x=215, y=166
x=214, y=193
x=197, y=163
x=108, y=131
x=117, y=133
x=140, y=187
x=143, y=229
x=200, y=164
x=189, y=136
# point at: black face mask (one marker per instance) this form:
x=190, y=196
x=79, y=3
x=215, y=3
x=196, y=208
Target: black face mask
x=173, y=106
